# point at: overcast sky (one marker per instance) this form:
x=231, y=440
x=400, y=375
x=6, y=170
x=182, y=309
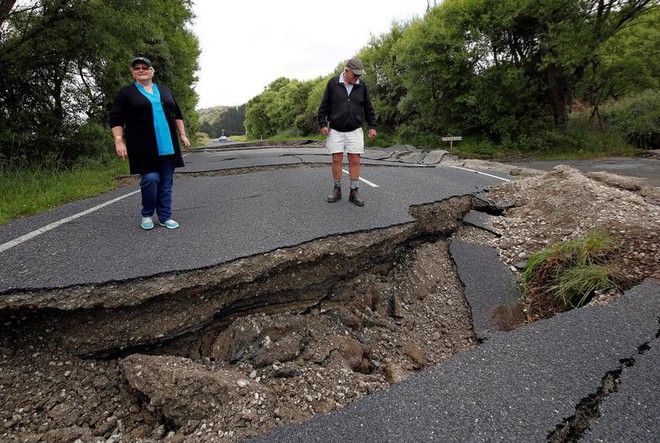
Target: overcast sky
x=246, y=44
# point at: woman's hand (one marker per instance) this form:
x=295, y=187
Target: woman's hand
x=185, y=141
x=120, y=148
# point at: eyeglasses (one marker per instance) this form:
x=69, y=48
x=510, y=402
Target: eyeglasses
x=141, y=68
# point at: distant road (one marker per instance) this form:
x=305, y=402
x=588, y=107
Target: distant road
x=648, y=169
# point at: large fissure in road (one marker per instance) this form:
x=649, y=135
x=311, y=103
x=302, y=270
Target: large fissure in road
x=234, y=350
x=97, y=320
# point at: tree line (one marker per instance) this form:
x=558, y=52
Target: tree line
x=63, y=61
x=502, y=70
x=222, y=120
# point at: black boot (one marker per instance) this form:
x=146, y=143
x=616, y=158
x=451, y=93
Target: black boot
x=354, y=198
x=335, y=196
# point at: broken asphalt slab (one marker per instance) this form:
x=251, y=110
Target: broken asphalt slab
x=519, y=386
x=488, y=283
x=250, y=157
x=481, y=220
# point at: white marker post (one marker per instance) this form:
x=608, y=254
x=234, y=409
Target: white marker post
x=451, y=140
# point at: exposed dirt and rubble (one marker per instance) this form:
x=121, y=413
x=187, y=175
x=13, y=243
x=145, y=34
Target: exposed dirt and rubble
x=279, y=338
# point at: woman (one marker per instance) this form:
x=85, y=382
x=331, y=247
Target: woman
x=147, y=123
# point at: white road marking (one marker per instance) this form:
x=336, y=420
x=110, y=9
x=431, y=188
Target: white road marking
x=373, y=185
x=54, y=225
x=29, y=235
x=482, y=173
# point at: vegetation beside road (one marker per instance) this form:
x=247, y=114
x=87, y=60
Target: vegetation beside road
x=63, y=62
x=32, y=189
x=510, y=77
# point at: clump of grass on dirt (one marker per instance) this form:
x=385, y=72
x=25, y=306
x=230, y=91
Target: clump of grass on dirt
x=568, y=274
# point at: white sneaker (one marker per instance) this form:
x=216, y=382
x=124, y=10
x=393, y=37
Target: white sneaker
x=147, y=223
x=170, y=224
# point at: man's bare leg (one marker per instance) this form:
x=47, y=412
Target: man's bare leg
x=354, y=175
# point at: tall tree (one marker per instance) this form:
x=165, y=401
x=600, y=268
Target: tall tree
x=500, y=66
x=62, y=61
x=384, y=75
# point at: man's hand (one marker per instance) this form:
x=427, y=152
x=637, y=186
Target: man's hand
x=372, y=133
x=325, y=131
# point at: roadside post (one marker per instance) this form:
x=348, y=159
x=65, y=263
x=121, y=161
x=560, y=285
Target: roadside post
x=451, y=140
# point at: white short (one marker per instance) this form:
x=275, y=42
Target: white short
x=351, y=142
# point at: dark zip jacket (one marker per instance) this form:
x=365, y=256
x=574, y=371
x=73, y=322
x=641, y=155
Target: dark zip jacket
x=342, y=112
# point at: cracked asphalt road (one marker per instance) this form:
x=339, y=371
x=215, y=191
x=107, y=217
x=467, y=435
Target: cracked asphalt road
x=223, y=218
x=518, y=386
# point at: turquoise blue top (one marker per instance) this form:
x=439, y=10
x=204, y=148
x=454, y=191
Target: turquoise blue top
x=163, y=136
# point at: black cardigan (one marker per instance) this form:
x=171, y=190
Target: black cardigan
x=134, y=113
x=343, y=113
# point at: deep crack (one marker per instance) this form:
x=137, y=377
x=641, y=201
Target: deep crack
x=588, y=409
x=573, y=428
x=94, y=319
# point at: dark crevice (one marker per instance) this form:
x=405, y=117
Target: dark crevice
x=643, y=349
x=573, y=428
x=490, y=210
x=333, y=288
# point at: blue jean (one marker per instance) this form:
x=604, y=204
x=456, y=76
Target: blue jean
x=156, y=190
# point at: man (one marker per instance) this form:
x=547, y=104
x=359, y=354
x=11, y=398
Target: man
x=345, y=100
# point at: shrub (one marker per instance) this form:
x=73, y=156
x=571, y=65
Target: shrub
x=383, y=139
x=91, y=140
x=409, y=135
x=305, y=124
x=636, y=118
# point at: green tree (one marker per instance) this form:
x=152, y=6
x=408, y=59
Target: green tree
x=384, y=76
x=281, y=107
x=503, y=68
x=261, y=111
x=222, y=120
x=62, y=62
x=573, y=37
x=627, y=63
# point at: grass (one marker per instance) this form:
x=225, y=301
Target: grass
x=578, y=142
x=575, y=286
x=568, y=274
x=34, y=189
